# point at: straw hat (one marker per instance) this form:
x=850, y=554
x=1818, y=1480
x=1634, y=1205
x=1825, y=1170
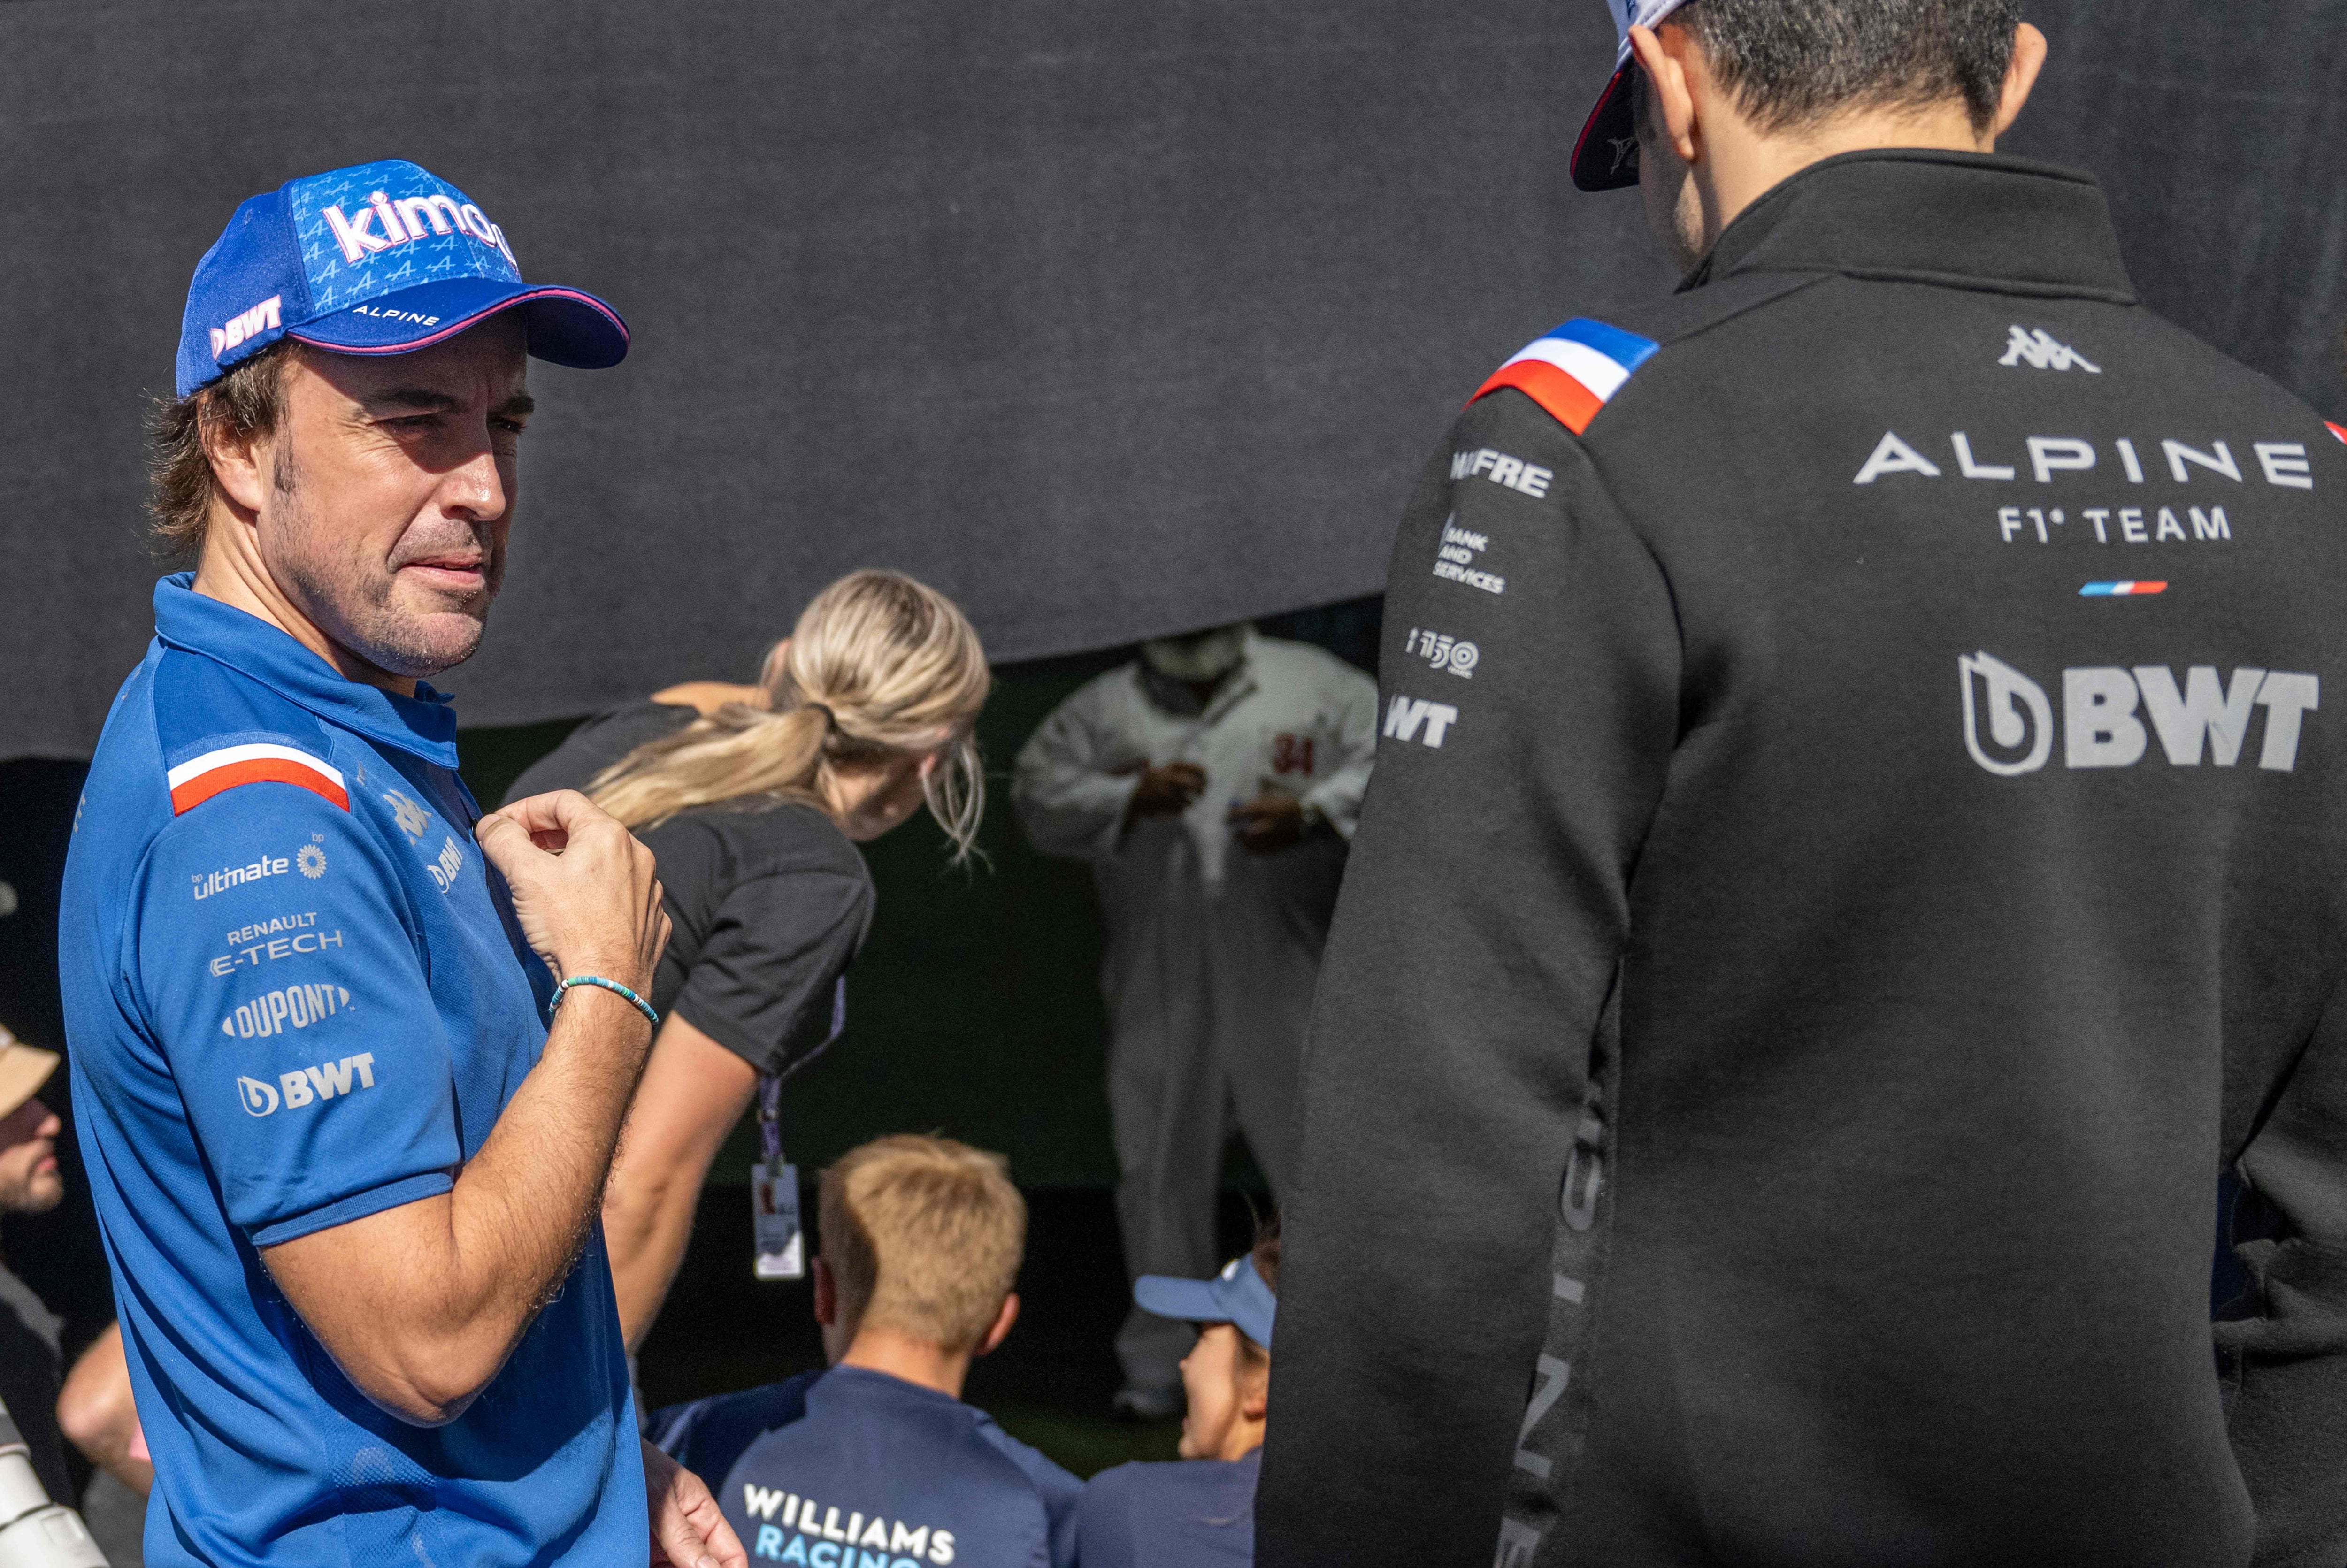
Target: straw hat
x=23, y=1069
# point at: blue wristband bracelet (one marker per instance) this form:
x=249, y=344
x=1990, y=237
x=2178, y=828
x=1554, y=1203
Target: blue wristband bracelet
x=643, y=1006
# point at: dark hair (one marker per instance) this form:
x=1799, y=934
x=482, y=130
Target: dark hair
x=1789, y=63
x=1266, y=1253
x=245, y=405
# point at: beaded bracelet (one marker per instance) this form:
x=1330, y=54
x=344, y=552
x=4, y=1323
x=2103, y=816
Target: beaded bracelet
x=643, y=1006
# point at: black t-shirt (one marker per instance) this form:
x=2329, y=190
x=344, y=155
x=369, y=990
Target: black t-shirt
x=768, y=906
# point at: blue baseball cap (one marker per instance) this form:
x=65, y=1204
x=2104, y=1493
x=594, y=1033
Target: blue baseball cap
x=379, y=258
x=1237, y=1296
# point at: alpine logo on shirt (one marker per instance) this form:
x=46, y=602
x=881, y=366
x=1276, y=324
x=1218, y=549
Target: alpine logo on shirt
x=2111, y=715
x=814, y=1533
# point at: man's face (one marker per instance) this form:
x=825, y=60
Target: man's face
x=389, y=487
x=30, y=1181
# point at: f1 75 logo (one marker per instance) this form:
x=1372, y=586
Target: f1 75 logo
x=2009, y=720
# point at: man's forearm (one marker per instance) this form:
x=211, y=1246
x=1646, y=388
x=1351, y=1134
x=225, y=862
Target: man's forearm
x=421, y=1303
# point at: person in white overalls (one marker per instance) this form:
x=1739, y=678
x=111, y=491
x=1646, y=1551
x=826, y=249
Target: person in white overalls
x=1213, y=784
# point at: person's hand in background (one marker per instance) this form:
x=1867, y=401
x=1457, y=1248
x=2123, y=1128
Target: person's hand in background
x=1272, y=822
x=1167, y=790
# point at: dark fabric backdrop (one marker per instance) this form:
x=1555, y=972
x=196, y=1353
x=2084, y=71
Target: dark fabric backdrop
x=1108, y=318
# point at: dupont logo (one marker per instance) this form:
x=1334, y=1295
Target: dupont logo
x=307, y=1085
x=247, y=324
x=2111, y=715
x=383, y=223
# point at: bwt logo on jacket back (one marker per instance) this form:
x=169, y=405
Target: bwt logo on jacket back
x=2100, y=723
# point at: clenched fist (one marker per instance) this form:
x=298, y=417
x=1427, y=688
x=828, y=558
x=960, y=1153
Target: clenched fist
x=587, y=893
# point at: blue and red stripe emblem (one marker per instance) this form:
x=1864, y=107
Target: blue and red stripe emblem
x=2114, y=589
x=1574, y=371
x=198, y=779
x=2338, y=430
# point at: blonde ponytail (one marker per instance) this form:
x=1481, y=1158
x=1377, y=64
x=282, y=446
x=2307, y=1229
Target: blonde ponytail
x=878, y=667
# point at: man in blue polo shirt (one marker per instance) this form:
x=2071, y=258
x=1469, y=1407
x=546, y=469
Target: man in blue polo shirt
x=349, y=1175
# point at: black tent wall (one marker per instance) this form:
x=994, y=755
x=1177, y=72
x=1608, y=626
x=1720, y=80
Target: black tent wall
x=1108, y=319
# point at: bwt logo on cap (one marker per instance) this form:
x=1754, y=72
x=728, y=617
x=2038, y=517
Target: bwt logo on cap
x=377, y=258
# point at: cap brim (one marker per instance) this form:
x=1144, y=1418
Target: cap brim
x=1606, y=156
x=564, y=326
x=23, y=1069
x=1188, y=1300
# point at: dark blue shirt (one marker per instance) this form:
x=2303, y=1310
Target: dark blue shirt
x=295, y=999
x=1195, y=1513
x=707, y=1436
x=883, y=1473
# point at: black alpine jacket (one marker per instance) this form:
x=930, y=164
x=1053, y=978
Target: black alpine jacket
x=1803, y=968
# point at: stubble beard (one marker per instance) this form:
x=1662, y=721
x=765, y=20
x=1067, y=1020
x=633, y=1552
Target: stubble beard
x=353, y=598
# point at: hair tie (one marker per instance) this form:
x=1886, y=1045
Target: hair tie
x=830, y=719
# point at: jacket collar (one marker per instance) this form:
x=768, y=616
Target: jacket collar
x=1967, y=220
x=424, y=725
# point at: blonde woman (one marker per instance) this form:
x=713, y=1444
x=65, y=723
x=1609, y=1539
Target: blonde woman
x=753, y=797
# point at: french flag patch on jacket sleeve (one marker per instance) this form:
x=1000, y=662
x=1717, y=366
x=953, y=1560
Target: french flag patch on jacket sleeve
x=200, y=777
x=1574, y=371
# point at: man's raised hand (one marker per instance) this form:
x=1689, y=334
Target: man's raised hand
x=587, y=893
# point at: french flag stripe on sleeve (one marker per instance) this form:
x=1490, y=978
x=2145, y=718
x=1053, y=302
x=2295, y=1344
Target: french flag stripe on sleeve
x=198, y=779
x=1574, y=371
x=2338, y=430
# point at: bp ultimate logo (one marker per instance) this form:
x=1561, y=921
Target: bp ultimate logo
x=2110, y=714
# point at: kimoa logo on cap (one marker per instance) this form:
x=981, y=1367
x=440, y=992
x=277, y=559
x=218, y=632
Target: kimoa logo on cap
x=246, y=323
x=384, y=224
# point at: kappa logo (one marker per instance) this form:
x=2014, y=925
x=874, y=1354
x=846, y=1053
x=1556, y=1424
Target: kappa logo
x=385, y=223
x=1408, y=717
x=2038, y=351
x=248, y=324
x=307, y=1085
x=412, y=818
x=2100, y=726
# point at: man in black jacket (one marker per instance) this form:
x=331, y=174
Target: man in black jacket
x=1787, y=1013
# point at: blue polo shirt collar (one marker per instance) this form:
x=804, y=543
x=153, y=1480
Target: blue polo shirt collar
x=424, y=725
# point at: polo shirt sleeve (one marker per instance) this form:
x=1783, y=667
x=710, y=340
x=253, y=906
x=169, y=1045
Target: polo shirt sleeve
x=1104, y=1520
x=764, y=981
x=275, y=960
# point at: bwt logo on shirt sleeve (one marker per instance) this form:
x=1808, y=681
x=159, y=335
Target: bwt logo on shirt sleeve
x=307, y=1085
x=2105, y=708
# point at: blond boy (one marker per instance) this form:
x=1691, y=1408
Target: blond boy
x=876, y=1462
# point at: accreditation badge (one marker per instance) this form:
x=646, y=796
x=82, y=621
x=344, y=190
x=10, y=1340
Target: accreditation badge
x=778, y=1245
